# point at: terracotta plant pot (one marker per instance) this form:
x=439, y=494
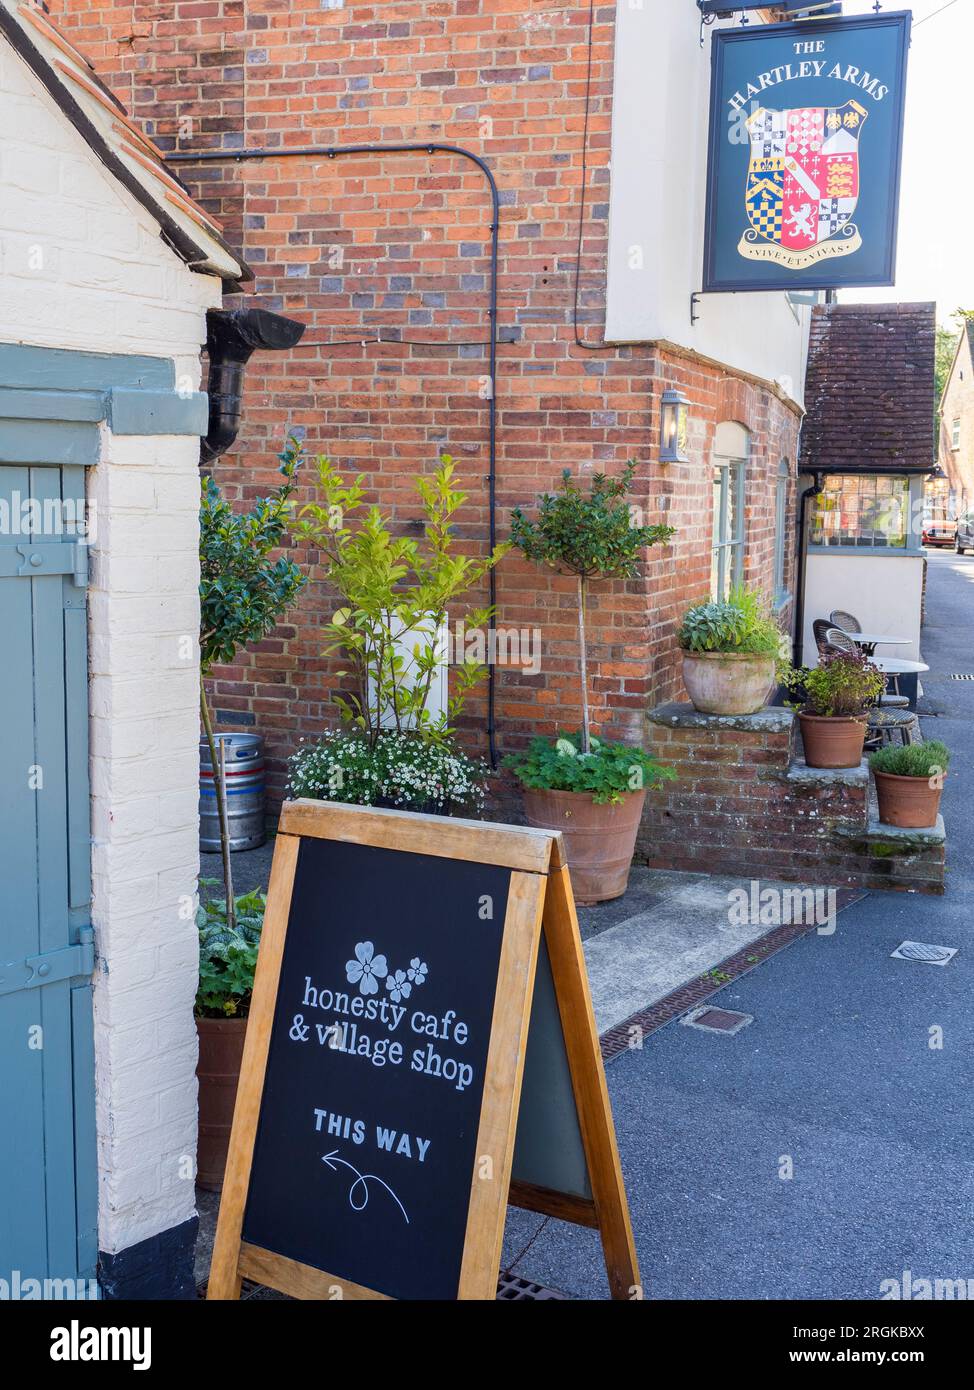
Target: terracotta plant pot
x=218, y=1071
x=831, y=742
x=727, y=682
x=909, y=802
x=600, y=840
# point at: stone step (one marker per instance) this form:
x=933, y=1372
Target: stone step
x=801, y=773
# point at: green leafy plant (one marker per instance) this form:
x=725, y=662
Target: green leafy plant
x=243, y=592
x=742, y=624
x=912, y=759
x=397, y=593
x=591, y=536
x=400, y=770
x=228, y=953
x=608, y=771
x=843, y=685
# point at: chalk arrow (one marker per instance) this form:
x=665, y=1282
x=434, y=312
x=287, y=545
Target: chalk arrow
x=331, y=1160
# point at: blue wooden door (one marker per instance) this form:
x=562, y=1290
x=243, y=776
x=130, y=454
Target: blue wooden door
x=47, y=1145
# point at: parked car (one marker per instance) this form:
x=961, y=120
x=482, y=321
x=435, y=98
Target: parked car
x=964, y=534
x=939, y=532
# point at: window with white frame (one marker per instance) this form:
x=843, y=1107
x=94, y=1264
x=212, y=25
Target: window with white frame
x=731, y=449
x=781, y=528
x=955, y=434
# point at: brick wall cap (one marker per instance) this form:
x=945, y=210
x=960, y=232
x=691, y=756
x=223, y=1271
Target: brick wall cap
x=677, y=715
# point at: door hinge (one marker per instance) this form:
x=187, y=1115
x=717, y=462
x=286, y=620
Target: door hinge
x=51, y=966
x=30, y=560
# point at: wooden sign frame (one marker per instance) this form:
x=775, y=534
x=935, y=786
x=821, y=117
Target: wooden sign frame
x=540, y=898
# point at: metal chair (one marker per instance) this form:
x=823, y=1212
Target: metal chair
x=886, y=722
x=820, y=628
x=845, y=621
x=838, y=641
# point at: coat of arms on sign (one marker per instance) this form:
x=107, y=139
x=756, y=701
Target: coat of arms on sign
x=802, y=184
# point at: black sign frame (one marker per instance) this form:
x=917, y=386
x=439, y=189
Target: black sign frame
x=822, y=279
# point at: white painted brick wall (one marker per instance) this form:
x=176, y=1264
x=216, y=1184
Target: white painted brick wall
x=82, y=266
x=81, y=262
x=144, y=698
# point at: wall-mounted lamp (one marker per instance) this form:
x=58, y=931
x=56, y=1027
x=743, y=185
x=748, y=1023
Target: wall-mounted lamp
x=674, y=427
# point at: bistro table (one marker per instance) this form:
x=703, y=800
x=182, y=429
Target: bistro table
x=869, y=641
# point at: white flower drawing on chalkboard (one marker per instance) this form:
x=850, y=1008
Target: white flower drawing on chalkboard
x=417, y=970
x=367, y=969
x=398, y=986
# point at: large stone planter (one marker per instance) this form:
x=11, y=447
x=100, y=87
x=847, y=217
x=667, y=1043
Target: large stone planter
x=727, y=682
x=600, y=840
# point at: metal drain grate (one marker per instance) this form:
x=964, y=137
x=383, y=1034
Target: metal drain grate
x=961, y=676
x=511, y=1288
x=923, y=952
x=717, y=1020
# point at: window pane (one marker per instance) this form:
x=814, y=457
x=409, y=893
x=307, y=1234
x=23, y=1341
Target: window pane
x=780, y=525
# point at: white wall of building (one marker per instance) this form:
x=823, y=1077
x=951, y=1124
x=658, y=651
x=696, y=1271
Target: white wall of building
x=882, y=591
x=658, y=196
x=82, y=262
x=82, y=266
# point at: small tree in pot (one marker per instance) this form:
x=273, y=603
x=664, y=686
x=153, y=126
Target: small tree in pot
x=591, y=790
x=837, y=695
x=397, y=747
x=243, y=593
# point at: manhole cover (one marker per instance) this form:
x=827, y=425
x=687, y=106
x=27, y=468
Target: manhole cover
x=717, y=1020
x=923, y=951
x=512, y=1288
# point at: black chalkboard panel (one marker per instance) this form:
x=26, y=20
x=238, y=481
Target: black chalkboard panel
x=366, y=1145
x=549, y=1151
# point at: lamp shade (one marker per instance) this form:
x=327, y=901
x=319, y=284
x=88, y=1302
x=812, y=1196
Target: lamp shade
x=674, y=427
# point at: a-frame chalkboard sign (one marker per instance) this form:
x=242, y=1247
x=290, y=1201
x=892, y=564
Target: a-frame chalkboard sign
x=421, y=1050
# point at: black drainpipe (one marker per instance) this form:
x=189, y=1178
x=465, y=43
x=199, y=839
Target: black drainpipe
x=231, y=336
x=336, y=152
x=801, y=558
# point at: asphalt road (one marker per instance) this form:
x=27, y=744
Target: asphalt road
x=835, y=1083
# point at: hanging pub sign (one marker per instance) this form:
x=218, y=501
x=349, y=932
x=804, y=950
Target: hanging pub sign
x=421, y=1050
x=806, y=127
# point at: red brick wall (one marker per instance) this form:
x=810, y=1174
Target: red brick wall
x=744, y=803
x=400, y=244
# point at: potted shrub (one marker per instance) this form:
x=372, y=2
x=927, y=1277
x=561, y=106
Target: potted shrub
x=591, y=790
x=396, y=747
x=836, y=697
x=228, y=958
x=909, y=783
x=595, y=798
x=730, y=650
